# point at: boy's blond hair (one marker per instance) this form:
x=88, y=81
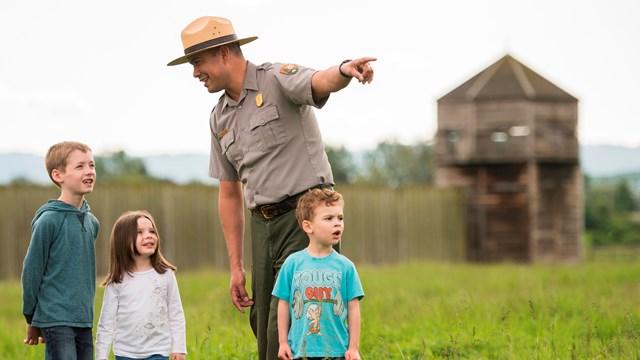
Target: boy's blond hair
x=58, y=155
x=309, y=202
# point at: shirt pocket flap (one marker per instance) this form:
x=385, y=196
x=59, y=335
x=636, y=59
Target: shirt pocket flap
x=264, y=116
x=226, y=141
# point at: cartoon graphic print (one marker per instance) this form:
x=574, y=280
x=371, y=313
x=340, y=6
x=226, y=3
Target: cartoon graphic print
x=313, y=314
x=318, y=287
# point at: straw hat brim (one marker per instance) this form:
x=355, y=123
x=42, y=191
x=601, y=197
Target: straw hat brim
x=185, y=58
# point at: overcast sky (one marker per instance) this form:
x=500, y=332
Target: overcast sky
x=96, y=71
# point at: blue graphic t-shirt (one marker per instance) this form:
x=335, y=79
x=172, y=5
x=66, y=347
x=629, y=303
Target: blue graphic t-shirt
x=318, y=290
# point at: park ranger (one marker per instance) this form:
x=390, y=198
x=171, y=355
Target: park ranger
x=266, y=148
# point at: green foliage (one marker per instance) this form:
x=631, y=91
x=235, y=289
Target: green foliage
x=396, y=165
x=120, y=167
x=608, y=215
x=427, y=311
x=623, y=199
x=21, y=180
x=342, y=165
x=389, y=164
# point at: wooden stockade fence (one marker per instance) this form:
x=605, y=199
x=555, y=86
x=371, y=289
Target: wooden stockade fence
x=381, y=225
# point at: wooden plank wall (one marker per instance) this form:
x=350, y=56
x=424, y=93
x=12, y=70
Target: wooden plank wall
x=381, y=225
x=559, y=214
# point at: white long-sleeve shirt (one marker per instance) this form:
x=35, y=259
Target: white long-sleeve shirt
x=142, y=316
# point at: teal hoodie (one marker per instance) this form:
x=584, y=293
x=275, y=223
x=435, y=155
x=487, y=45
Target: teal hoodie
x=59, y=270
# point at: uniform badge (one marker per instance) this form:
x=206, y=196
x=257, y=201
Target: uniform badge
x=222, y=133
x=259, y=99
x=289, y=69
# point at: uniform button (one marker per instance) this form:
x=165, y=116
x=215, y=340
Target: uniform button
x=239, y=106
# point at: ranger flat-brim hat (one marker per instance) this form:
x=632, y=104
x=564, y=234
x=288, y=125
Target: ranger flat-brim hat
x=205, y=33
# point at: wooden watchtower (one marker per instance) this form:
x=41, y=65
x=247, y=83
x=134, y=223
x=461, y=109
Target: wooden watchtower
x=509, y=137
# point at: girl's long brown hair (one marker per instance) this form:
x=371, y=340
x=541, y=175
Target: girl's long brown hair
x=123, y=247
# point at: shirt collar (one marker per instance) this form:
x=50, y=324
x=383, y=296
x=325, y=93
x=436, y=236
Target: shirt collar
x=250, y=83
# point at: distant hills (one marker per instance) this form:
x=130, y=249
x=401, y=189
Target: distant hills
x=181, y=169
x=597, y=161
x=608, y=161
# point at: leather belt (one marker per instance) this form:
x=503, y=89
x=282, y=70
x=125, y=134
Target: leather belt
x=271, y=211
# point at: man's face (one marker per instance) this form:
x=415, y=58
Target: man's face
x=209, y=67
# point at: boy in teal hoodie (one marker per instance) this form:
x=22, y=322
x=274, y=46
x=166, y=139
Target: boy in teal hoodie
x=59, y=270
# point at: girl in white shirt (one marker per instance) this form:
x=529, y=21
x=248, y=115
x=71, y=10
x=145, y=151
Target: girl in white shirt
x=141, y=313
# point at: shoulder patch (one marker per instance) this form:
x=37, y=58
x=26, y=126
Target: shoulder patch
x=289, y=69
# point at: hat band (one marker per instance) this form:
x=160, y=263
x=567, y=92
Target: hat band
x=210, y=43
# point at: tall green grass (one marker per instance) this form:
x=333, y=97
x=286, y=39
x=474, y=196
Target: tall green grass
x=428, y=311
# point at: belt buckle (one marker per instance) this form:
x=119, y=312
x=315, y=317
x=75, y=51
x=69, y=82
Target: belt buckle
x=262, y=211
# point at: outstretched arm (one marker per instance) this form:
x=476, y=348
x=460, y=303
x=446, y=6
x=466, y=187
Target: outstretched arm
x=325, y=82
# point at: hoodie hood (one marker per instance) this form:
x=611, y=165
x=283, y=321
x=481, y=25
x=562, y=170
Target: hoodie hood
x=61, y=206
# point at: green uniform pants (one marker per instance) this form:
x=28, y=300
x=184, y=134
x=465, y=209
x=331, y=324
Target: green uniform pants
x=272, y=240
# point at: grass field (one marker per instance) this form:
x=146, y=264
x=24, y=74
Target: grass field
x=428, y=311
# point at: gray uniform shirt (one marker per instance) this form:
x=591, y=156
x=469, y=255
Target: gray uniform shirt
x=270, y=139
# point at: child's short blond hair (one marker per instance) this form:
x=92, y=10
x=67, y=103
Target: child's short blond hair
x=309, y=202
x=58, y=155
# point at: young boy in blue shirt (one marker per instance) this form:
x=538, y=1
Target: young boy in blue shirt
x=319, y=289
x=59, y=270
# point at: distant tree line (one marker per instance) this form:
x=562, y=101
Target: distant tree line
x=390, y=164
x=120, y=167
x=112, y=167
x=611, y=213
